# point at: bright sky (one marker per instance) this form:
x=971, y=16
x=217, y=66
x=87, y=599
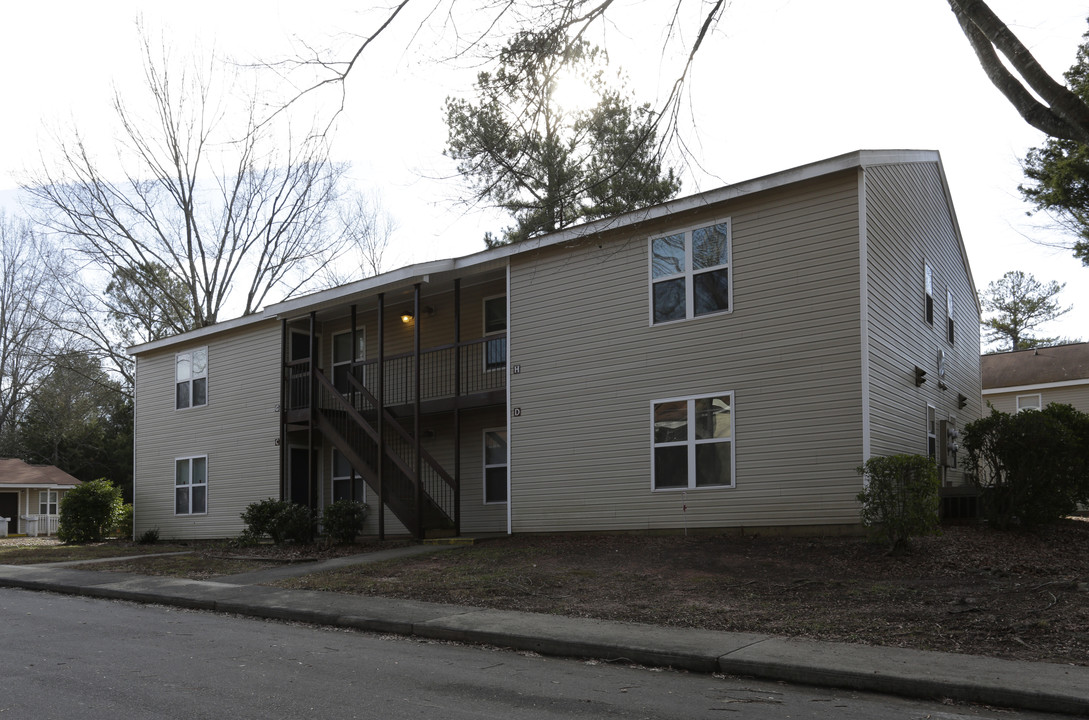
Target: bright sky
x=781, y=83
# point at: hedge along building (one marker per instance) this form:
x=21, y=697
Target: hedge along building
x=724, y=360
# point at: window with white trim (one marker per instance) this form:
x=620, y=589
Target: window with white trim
x=344, y=478
x=47, y=502
x=191, y=485
x=928, y=284
x=690, y=273
x=495, y=466
x=949, y=315
x=693, y=442
x=932, y=432
x=342, y=356
x=495, y=322
x=1029, y=402
x=191, y=378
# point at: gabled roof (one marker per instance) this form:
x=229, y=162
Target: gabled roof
x=498, y=257
x=1041, y=366
x=16, y=472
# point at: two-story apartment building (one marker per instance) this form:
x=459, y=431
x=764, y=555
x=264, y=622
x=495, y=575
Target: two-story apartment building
x=724, y=360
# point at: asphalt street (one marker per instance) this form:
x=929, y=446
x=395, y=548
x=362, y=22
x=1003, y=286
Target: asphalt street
x=78, y=657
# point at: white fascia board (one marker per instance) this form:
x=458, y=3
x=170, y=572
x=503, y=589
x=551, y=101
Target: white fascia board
x=199, y=333
x=1037, y=386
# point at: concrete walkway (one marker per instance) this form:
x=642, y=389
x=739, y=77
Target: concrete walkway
x=1045, y=687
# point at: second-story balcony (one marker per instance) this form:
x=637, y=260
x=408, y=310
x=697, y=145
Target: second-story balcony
x=471, y=373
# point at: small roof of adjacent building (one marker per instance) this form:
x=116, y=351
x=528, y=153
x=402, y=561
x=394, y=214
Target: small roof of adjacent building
x=16, y=472
x=1039, y=366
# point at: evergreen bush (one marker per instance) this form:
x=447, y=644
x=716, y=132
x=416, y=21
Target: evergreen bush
x=900, y=499
x=343, y=520
x=89, y=512
x=280, y=520
x=1032, y=468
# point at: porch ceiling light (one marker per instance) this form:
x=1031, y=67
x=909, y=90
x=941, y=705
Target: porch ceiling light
x=406, y=318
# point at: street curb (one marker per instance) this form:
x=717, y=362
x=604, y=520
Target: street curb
x=896, y=671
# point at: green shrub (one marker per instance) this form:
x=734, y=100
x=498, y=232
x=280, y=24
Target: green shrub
x=280, y=520
x=149, y=536
x=89, y=512
x=343, y=520
x=123, y=528
x=900, y=499
x=1032, y=468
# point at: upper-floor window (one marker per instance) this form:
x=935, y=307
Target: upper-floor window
x=690, y=273
x=342, y=356
x=495, y=321
x=693, y=442
x=1029, y=402
x=928, y=282
x=949, y=314
x=191, y=378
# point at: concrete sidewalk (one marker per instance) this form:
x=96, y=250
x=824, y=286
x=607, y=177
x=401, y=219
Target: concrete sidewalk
x=914, y=673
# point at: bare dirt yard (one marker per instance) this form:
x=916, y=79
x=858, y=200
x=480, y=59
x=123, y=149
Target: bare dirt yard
x=971, y=590
x=1014, y=595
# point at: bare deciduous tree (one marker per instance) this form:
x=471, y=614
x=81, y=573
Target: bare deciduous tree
x=683, y=28
x=234, y=216
x=1042, y=101
x=28, y=314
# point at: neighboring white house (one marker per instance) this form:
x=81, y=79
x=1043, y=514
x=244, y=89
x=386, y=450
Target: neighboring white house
x=1031, y=379
x=30, y=496
x=724, y=360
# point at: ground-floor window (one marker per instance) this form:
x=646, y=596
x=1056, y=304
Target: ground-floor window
x=191, y=485
x=495, y=466
x=693, y=442
x=344, y=479
x=47, y=502
x=931, y=432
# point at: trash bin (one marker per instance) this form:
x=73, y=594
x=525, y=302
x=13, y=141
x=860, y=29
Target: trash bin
x=4, y=526
x=31, y=525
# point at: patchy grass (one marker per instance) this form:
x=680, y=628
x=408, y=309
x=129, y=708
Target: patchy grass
x=31, y=551
x=972, y=590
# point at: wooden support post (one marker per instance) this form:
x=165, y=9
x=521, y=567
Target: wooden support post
x=457, y=407
x=416, y=409
x=381, y=397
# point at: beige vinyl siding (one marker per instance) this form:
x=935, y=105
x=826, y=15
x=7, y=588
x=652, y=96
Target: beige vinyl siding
x=1076, y=395
x=908, y=224
x=591, y=365
x=237, y=430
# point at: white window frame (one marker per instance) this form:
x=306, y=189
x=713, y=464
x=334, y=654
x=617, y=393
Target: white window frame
x=1039, y=402
x=689, y=273
x=360, y=350
x=691, y=443
x=192, y=376
x=487, y=466
x=928, y=294
x=52, y=500
x=949, y=325
x=932, y=432
x=334, y=478
x=489, y=366
x=190, y=485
